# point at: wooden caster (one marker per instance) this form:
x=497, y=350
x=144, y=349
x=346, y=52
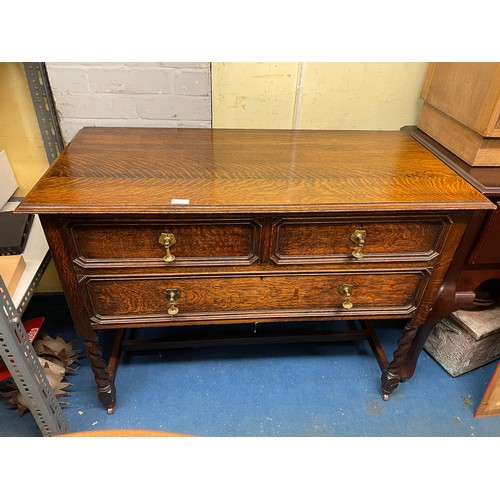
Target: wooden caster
x=385, y=397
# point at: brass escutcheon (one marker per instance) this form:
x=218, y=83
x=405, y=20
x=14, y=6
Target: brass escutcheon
x=345, y=292
x=167, y=240
x=358, y=237
x=172, y=294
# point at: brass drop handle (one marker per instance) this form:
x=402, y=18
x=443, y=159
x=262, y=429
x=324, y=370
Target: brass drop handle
x=345, y=292
x=358, y=237
x=167, y=240
x=172, y=294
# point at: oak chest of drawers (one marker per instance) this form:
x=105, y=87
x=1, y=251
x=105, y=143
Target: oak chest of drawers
x=159, y=227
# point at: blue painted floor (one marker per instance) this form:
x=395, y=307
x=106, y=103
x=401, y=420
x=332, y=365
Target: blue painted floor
x=295, y=390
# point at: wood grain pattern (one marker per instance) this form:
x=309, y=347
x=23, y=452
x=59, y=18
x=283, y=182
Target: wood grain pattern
x=254, y=197
x=473, y=148
x=77, y=306
x=485, y=179
x=329, y=239
x=480, y=241
x=109, y=170
x=135, y=241
x=469, y=92
x=307, y=295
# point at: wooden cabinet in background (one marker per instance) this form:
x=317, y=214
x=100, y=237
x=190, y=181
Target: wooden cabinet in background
x=461, y=110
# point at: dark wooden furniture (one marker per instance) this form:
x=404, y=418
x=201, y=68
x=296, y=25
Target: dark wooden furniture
x=478, y=257
x=159, y=227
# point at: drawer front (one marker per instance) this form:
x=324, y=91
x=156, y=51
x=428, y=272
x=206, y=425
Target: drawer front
x=308, y=241
x=129, y=299
x=136, y=243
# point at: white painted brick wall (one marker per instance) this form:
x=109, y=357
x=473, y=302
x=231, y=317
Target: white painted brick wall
x=163, y=94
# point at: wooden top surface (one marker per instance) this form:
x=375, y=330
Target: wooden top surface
x=145, y=170
x=485, y=179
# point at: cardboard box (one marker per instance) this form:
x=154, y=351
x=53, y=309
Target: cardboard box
x=11, y=270
x=8, y=182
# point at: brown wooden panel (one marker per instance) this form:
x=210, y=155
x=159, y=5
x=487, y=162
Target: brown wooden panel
x=487, y=248
x=325, y=240
x=485, y=179
x=466, y=91
x=141, y=170
x=464, y=142
x=135, y=242
x=301, y=295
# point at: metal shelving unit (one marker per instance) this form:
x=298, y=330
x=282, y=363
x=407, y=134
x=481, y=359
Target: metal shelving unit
x=36, y=255
x=27, y=372
x=41, y=94
x=15, y=347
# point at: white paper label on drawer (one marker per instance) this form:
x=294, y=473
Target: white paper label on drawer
x=179, y=201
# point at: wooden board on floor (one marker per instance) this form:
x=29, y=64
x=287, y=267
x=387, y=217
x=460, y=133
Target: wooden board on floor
x=490, y=404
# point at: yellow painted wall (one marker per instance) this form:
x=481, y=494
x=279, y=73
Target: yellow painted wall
x=20, y=134
x=253, y=95
x=362, y=96
x=21, y=138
